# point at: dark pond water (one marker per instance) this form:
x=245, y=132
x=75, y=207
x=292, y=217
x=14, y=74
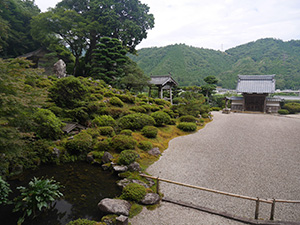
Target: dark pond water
x=84, y=186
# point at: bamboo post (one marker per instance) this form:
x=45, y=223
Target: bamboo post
x=272, y=210
x=257, y=209
x=157, y=185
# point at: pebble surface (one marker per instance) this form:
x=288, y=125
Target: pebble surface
x=256, y=155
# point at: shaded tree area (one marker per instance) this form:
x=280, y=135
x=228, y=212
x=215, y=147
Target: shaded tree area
x=15, y=37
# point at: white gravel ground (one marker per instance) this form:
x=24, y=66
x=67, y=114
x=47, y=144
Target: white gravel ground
x=256, y=155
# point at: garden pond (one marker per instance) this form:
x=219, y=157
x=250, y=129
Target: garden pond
x=85, y=186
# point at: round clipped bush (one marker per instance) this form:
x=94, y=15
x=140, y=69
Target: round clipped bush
x=103, y=145
x=126, y=132
x=134, y=192
x=145, y=145
x=122, y=142
x=150, y=131
x=283, y=111
x=138, y=109
x=81, y=143
x=188, y=118
x=103, y=121
x=204, y=115
x=116, y=102
x=106, y=131
x=292, y=107
x=135, y=121
x=127, y=157
x=187, y=126
x=161, y=118
x=127, y=98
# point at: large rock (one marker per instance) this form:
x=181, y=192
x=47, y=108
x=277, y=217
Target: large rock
x=60, y=69
x=107, y=157
x=134, y=167
x=150, y=199
x=154, y=151
x=120, y=169
x=114, y=206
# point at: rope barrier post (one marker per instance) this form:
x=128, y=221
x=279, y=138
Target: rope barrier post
x=257, y=209
x=272, y=210
x=157, y=185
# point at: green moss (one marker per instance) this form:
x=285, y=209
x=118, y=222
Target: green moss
x=135, y=210
x=127, y=157
x=145, y=145
x=134, y=192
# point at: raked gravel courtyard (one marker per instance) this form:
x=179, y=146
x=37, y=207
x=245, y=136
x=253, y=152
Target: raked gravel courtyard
x=256, y=155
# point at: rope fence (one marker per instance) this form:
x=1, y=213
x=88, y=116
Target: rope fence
x=257, y=200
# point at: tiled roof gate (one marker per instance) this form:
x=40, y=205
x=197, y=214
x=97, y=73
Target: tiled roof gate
x=256, y=84
x=163, y=82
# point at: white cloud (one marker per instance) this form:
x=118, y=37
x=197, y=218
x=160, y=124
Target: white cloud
x=211, y=24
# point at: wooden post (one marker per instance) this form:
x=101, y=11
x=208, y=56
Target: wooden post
x=157, y=185
x=272, y=210
x=257, y=209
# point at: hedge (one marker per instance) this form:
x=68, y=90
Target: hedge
x=135, y=121
x=150, y=131
x=122, y=142
x=161, y=118
x=187, y=126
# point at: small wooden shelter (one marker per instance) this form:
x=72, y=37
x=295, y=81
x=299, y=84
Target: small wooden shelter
x=255, y=90
x=163, y=82
x=36, y=56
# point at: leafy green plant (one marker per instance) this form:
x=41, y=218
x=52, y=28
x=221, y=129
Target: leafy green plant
x=187, y=126
x=135, y=121
x=127, y=98
x=104, y=120
x=145, y=145
x=116, y=102
x=38, y=196
x=127, y=157
x=122, y=142
x=134, y=192
x=161, y=118
x=138, y=109
x=5, y=190
x=150, y=131
x=103, y=145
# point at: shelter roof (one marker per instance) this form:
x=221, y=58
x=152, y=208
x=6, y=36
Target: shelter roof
x=256, y=84
x=162, y=80
x=71, y=126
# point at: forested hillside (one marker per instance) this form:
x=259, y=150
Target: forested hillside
x=189, y=65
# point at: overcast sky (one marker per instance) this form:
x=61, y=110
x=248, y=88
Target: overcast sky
x=217, y=24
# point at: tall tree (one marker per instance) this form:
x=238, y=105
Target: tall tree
x=210, y=86
x=126, y=20
x=109, y=59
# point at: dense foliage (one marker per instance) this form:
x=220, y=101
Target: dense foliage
x=190, y=65
x=127, y=157
x=5, y=190
x=133, y=191
x=187, y=126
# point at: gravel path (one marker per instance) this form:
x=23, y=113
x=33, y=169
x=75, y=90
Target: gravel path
x=256, y=155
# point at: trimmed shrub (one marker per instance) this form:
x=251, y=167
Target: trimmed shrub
x=187, y=126
x=161, y=118
x=150, y=131
x=116, y=112
x=135, y=121
x=109, y=94
x=83, y=222
x=134, y=192
x=145, y=145
x=292, y=107
x=215, y=109
x=81, y=143
x=161, y=102
x=122, y=142
x=127, y=98
x=116, y=102
x=103, y=121
x=204, y=115
x=187, y=118
x=103, y=145
x=170, y=112
x=126, y=132
x=127, y=157
x=283, y=111
x=106, y=131
x=138, y=109
x=172, y=122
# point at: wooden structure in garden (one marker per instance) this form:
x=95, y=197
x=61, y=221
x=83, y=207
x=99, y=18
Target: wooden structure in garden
x=255, y=90
x=163, y=82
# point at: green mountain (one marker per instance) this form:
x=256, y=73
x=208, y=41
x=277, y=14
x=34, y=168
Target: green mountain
x=190, y=65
